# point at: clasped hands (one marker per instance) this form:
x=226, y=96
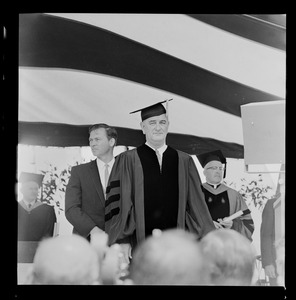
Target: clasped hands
x=223, y=223
x=114, y=259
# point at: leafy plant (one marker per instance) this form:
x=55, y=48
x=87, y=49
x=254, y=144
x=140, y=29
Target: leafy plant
x=255, y=192
x=54, y=185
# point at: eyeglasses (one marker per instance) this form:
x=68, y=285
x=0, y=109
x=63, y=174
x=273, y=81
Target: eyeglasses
x=215, y=168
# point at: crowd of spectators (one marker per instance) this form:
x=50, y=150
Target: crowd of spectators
x=168, y=257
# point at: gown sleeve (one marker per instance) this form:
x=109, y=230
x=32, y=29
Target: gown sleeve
x=243, y=224
x=119, y=207
x=198, y=218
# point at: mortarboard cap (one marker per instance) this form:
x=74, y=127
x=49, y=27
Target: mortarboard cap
x=205, y=158
x=28, y=177
x=152, y=110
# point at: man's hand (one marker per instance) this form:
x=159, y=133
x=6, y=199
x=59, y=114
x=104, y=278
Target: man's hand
x=99, y=240
x=217, y=225
x=96, y=230
x=110, y=268
x=270, y=271
x=126, y=251
x=225, y=224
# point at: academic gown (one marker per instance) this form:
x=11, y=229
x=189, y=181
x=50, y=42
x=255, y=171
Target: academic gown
x=125, y=204
x=224, y=201
x=35, y=223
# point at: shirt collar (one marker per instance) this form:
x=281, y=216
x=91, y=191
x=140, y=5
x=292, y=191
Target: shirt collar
x=101, y=164
x=27, y=203
x=214, y=185
x=160, y=150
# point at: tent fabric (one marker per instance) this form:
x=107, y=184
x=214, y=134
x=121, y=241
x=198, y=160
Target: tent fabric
x=223, y=53
x=267, y=29
x=64, y=135
x=78, y=98
x=111, y=54
x=66, y=68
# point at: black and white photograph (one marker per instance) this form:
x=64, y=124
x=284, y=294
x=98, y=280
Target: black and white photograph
x=151, y=149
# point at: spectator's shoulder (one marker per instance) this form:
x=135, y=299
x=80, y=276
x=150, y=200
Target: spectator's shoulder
x=49, y=206
x=45, y=205
x=269, y=203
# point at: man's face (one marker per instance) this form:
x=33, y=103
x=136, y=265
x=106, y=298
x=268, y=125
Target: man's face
x=30, y=190
x=155, y=129
x=213, y=172
x=99, y=143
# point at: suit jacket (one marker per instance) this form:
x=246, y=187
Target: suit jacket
x=85, y=199
x=267, y=234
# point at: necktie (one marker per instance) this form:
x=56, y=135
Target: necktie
x=106, y=175
x=158, y=157
x=29, y=205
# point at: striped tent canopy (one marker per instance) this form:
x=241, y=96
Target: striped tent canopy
x=79, y=69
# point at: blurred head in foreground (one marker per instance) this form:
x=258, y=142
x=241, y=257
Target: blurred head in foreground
x=231, y=257
x=65, y=260
x=170, y=257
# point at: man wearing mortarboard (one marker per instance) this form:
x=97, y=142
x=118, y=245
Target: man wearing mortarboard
x=222, y=200
x=154, y=187
x=36, y=219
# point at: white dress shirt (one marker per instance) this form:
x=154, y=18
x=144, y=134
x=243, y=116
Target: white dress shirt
x=101, y=168
x=160, y=150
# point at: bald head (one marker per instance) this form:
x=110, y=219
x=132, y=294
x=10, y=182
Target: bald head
x=172, y=257
x=65, y=260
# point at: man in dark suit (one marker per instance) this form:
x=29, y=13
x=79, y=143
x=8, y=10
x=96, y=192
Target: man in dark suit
x=85, y=192
x=267, y=240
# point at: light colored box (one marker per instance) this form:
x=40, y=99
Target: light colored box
x=264, y=132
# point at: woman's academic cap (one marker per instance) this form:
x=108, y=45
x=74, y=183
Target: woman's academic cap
x=156, y=109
